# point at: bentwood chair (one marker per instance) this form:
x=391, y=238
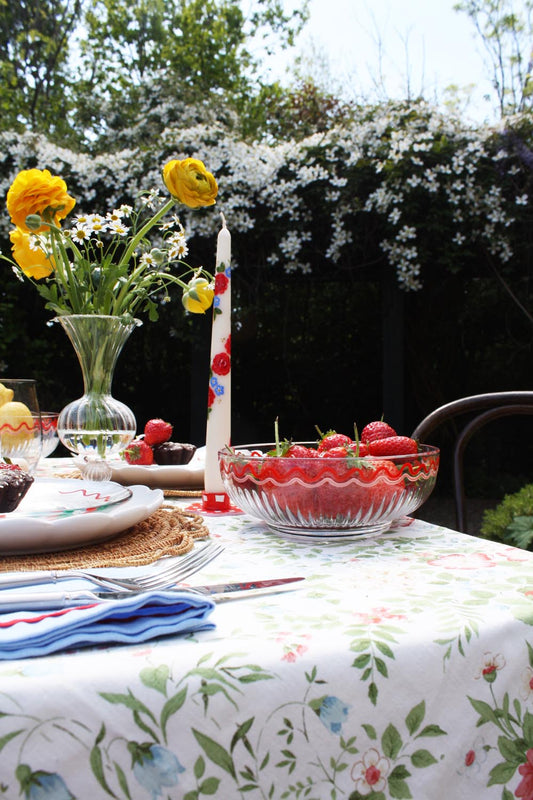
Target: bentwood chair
x=481, y=408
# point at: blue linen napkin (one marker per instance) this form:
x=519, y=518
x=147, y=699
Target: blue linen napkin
x=133, y=619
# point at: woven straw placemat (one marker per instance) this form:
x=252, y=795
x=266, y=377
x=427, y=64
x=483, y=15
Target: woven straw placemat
x=166, y=532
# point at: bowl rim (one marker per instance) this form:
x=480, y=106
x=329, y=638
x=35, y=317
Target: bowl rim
x=234, y=452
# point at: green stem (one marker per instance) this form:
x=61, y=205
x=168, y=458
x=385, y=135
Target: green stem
x=144, y=230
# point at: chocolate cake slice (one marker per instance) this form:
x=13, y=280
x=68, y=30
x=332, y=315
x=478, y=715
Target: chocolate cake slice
x=14, y=483
x=173, y=453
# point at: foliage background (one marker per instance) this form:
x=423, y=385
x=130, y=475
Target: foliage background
x=382, y=252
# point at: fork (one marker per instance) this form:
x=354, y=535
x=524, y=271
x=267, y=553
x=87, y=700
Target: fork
x=165, y=575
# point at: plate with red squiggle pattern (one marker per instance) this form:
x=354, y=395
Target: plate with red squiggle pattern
x=59, y=514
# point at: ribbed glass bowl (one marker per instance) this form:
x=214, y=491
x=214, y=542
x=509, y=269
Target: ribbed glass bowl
x=327, y=499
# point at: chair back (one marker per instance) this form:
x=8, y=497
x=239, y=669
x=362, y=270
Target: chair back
x=490, y=406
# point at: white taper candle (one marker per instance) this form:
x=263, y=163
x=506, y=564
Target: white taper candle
x=218, y=431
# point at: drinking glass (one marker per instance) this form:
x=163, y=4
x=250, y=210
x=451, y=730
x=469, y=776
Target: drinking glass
x=49, y=432
x=20, y=422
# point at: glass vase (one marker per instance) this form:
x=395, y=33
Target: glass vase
x=96, y=426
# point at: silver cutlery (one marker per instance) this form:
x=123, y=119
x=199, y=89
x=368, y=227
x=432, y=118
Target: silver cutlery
x=219, y=592
x=165, y=575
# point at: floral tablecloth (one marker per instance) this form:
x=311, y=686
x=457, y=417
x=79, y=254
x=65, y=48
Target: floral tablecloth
x=401, y=668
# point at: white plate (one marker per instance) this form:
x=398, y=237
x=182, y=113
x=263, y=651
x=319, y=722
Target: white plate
x=171, y=476
x=28, y=533
x=48, y=497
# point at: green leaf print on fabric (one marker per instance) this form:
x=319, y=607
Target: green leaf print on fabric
x=513, y=723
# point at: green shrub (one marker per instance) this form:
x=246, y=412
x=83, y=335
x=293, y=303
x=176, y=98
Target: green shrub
x=511, y=521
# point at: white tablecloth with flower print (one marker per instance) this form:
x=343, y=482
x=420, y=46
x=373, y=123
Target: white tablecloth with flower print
x=401, y=668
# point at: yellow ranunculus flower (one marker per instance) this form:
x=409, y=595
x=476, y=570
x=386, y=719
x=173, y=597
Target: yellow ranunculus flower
x=190, y=183
x=34, y=263
x=198, y=296
x=36, y=191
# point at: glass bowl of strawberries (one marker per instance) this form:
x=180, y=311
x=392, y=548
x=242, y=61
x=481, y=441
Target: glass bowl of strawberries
x=339, y=488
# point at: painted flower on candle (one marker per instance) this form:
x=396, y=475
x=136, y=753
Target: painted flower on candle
x=221, y=283
x=221, y=364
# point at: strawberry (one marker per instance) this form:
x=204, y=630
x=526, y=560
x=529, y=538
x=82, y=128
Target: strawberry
x=139, y=452
x=300, y=451
x=157, y=431
x=376, y=430
x=333, y=439
x=393, y=446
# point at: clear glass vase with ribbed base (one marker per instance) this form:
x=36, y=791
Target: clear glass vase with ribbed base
x=96, y=426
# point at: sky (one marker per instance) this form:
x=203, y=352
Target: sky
x=425, y=42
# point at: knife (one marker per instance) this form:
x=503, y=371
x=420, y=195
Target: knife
x=219, y=592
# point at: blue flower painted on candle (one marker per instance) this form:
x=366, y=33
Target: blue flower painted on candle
x=217, y=387
x=41, y=785
x=154, y=767
x=331, y=711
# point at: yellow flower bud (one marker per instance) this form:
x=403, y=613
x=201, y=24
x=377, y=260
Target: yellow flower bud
x=198, y=296
x=190, y=183
x=34, y=263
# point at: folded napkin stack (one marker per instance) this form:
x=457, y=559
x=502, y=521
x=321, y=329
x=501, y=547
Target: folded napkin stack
x=138, y=618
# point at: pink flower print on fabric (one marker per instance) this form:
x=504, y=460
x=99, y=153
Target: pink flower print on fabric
x=370, y=773
x=525, y=787
x=377, y=615
x=526, y=683
x=292, y=650
x=474, y=757
x=490, y=666
x=463, y=561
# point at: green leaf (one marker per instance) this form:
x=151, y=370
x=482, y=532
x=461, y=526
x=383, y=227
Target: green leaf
x=373, y=693
x=400, y=771
x=511, y=750
x=527, y=728
x=391, y=742
x=215, y=752
x=361, y=661
x=209, y=786
x=370, y=731
x=97, y=767
x=486, y=714
x=199, y=767
x=385, y=649
x=241, y=732
x=7, y=738
x=399, y=789
x=172, y=705
x=129, y=701
x=156, y=678
x=122, y=780
x=501, y=773
x=422, y=758
x=381, y=667
x=414, y=718
x=431, y=730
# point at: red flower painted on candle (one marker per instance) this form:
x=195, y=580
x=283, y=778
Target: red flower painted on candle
x=221, y=283
x=210, y=397
x=227, y=346
x=221, y=364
